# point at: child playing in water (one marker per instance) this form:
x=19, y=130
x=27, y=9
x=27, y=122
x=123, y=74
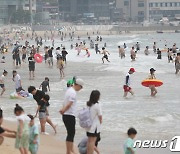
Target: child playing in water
x=33, y=136
x=45, y=85
x=152, y=87
x=129, y=143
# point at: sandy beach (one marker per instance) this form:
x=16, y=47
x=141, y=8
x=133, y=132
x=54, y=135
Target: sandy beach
x=48, y=144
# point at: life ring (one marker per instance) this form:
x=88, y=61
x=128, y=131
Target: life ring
x=38, y=58
x=150, y=82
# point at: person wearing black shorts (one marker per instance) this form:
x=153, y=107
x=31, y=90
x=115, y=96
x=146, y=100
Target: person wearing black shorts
x=104, y=52
x=31, y=66
x=68, y=114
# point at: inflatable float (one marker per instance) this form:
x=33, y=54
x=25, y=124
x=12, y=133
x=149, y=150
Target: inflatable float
x=38, y=58
x=14, y=95
x=150, y=82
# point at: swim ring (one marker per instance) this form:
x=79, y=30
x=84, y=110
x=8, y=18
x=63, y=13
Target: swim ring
x=150, y=82
x=38, y=58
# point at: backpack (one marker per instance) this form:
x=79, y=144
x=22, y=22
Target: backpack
x=85, y=120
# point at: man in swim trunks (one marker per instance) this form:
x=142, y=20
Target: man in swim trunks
x=105, y=53
x=127, y=87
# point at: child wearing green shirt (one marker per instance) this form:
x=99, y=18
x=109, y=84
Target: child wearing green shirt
x=129, y=143
x=33, y=136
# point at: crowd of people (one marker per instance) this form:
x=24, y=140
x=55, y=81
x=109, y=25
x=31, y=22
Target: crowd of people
x=27, y=134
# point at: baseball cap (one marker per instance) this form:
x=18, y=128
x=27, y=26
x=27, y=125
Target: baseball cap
x=132, y=70
x=80, y=82
x=152, y=70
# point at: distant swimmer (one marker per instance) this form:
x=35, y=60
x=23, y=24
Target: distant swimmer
x=127, y=87
x=152, y=87
x=105, y=53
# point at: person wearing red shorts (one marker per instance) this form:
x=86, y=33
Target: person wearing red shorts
x=127, y=87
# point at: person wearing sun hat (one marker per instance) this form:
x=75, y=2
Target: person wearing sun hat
x=127, y=87
x=152, y=87
x=68, y=112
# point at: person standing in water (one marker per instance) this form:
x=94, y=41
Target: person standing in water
x=2, y=82
x=127, y=87
x=64, y=54
x=31, y=61
x=159, y=54
x=154, y=47
x=133, y=54
x=45, y=85
x=121, y=52
x=146, y=51
x=105, y=53
x=61, y=67
x=152, y=87
x=177, y=63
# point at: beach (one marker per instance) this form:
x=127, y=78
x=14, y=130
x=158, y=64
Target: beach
x=154, y=118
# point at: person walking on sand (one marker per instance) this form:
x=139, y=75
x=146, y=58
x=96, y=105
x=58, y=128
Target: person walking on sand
x=38, y=96
x=127, y=87
x=33, y=136
x=96, y=114
x=22, y=136
x=105, y=53
x=2, y=78
x=31, y=61
x=69, y=113
x=152, y=87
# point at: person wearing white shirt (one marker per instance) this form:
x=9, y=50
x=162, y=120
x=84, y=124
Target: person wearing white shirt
x=69, y=112
x=17, y=80
x=2, y=78
x=96, y=115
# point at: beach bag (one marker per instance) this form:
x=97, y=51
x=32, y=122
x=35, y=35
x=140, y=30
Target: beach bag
x=85, y=120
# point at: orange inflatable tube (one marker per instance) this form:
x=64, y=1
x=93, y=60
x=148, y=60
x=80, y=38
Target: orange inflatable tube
x=152, y=82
